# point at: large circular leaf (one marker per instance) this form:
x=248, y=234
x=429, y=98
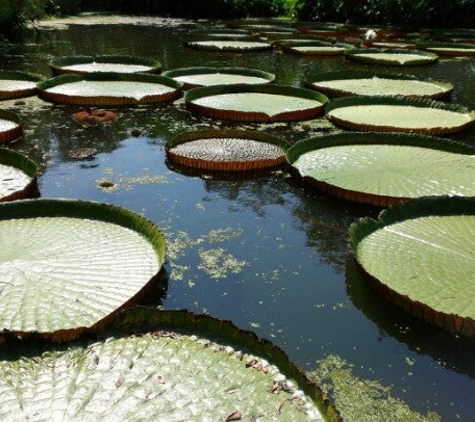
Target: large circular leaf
x=420, y=256
x=193, y=77
x=68, y=266
x=256, y=103
x=104, y=63
x=18, y=84
x=106, y=89
x=407, y=166
x=229, y=45
x=11, y=126
x=187, y=367
x=388, y=114
x=449, y=48
x=338, y=84
x=392, y=57
x=17, y=175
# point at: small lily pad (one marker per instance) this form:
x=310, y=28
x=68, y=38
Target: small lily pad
x=314, y=48
x=227, y=150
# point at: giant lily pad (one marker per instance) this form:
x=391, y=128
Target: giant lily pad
x=10, y=126
x=193, y=77
x=109, y=89
x=392, y=57
x=255, y=103
x=338, y=84
x=68, y=266
x=107, y=63
x=178, y=366
x=313, y=48
x=18, y=84
x=420, y=256
x=449, y=48
x=388, y=114
x=407, y=166
x=227, y=150
x=229, y=45
x=17, y=175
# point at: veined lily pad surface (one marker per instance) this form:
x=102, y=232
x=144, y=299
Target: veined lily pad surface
x=407, y=166
x=107, y=63
x=231, y=150
x=18, y=84
x=420, y=256
x=69, y=266
x=105, y=89
x=168, y=373
x=386, y=114
x=258, y=103
x=193, y=77
x=17, y=175
x=392, y=57
x=337, y=84
x=229, y=45
x=10, y=126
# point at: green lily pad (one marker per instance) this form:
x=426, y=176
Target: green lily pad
x=449, y=48
x=313, y=48
x=193, y=77
x=392, y=114
x=420, y=256
x=255, y=103
x=103, y=63
x=227, y=150
x=392, y=57
x=229, y=45
x=11, y=126
x=18, y=84
x=407, y=166
x=186, y=367
x=339, y=84
x=69, y=266
x=109, y=89
x=17, y=175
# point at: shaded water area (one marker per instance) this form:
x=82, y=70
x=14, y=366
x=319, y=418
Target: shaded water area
x=266, y=252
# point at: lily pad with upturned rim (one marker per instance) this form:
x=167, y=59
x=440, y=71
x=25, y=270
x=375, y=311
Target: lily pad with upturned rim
x=70, y=266
x=240, y=45
x=392, y=57
x=103, y=63
x=227, y=150
x=419, y=255
x=255, y=103
x=11, y=126
x=449, y=48
x=392, y=114
x=407, y=166
x=165, y=365
x=193, y=77
x=338, y=84
x=18, y=84
x=110, y=89
x=314, y=48
x=17, y=175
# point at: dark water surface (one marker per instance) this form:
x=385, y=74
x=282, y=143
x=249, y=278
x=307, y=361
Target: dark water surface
x=265, y=253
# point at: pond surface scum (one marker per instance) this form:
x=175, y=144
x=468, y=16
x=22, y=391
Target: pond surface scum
x=265, y=253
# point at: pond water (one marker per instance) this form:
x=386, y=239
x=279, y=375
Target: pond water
x=266, y=253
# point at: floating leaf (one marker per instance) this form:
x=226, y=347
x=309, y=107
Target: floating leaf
x=17, y=175
x=392, y=57
x=18, y=84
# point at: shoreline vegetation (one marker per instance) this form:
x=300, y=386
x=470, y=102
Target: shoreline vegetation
x=445, y=14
